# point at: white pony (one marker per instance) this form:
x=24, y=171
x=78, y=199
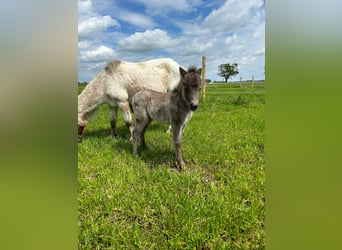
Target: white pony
x=118, y=82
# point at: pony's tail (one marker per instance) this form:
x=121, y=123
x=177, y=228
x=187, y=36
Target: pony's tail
x=131, y=93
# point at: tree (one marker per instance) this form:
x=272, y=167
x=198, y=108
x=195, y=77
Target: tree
x=227, y=70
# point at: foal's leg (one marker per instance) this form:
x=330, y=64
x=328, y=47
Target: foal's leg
x=141, y=123
x=135, y=139
x=142, y=135
x=177, y=138
x=187, y=119
x=113, y=113
x=125, y=110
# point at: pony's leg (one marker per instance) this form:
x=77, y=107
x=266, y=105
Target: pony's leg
x=177, y=138
x=125, y=110
x=113, y=113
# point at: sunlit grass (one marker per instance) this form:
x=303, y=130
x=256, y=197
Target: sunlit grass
x=143, y=202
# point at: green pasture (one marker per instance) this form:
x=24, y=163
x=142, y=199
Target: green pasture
x=217, y=202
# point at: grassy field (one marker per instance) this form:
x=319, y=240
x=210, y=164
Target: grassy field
x=217, y=202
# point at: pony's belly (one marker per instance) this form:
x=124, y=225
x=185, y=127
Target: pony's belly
x=112, y=102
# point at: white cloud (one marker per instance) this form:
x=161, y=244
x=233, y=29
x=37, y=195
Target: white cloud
x=259, y=30
x=95, y=24
x=135, y=19
x=102, y=53
x=246, y=60
x=150, y=40
x=93, y=36
x=237, y=47
x=197, y=46
x=232, y=33
x=84, y=6
x=96, y=66
x=231, y=39
x=190, y=28
x=83, y=44
x=230, y=16
x=260, y=52
x=160, y=7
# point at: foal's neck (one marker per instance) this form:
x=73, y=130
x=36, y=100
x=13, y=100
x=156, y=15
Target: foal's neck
x=178, y=99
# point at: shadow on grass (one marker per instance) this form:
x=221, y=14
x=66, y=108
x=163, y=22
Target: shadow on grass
x=153, y=156
x=122, y=131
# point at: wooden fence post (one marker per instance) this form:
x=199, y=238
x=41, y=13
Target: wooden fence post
x=204, y=77
x=240, y=82
x=253, y=81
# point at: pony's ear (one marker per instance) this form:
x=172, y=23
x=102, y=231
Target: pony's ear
x=182, y=71
x=199, y=71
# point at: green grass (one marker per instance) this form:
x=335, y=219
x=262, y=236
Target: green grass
x=217, y=202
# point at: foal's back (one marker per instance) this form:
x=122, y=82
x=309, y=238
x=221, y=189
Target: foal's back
x=150, y=104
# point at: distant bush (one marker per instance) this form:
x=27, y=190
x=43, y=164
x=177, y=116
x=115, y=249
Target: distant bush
x=240, y=101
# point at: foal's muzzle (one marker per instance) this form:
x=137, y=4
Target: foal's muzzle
x=193, y=107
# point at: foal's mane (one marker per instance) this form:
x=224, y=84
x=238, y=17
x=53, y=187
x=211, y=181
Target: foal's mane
x=191, y=69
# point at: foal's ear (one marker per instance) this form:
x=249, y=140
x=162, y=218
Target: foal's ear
x=199, y=71
x=182, y=71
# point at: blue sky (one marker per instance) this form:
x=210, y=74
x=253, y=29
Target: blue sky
x=231, y=31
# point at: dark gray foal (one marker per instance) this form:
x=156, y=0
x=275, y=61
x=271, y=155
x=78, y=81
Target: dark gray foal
x=173, y=108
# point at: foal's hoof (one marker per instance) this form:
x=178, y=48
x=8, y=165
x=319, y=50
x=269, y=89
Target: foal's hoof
x=181, y=165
